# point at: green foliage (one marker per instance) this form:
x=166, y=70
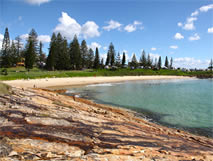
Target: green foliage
x=90, y=58
x=75, y=54
x=84, y=54
x=134, y=62
x=6, y=58
x=31, y=50
x=22, y=73
x=166, y=62
x=50, y=64
x=97, y=60
x=159, y=63
x=123, y=59
x=111, y=55
x=143, y=61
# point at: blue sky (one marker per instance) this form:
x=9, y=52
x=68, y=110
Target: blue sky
x=182, y=29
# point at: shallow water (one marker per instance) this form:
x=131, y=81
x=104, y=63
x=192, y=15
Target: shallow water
x=181, y=103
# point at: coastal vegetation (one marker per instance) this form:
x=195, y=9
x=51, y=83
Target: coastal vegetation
x=74, y=59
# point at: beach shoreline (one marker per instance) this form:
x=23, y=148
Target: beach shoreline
x=78, y=81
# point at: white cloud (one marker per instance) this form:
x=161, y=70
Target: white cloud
x=195, y=13
x=178, y=36
x=210, y=30
x=174, y=47
x=130, y=28
x=194, y=37
x=153, y=56
x=24, y=36
x=189, y=25
x=180, y=24
x=153, y=49
x=94, y=45
x=206, y=8
x=90, y=29
x=112, y=25
x=134, y=26
x=1, y=40
x=36, y=2
x=69, y=27
x=44, y=38
x=189, y=62
x=105, y=47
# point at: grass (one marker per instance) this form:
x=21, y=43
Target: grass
x=22, y=73
x=4, y=89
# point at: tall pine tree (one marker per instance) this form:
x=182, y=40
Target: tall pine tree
x=84, y=54
x=50, y=64
x=166, y=62
x=5, y=57
x=159, y=63
x=134, y=62
x=171, y=63
x=75, y=54
x=31, y=50
x=143, y=61
x=90, y=58
x=118, y=60
x=97, y=60
x=111, y=54
x=123, y=59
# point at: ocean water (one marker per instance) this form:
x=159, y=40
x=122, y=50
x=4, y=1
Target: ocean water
x=185, y=104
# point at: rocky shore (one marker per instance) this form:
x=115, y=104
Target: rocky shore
x=37, y=124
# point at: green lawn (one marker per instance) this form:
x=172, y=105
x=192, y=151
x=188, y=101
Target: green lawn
x=22, y=73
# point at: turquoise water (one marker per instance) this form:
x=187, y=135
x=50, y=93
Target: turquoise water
x=185, y=104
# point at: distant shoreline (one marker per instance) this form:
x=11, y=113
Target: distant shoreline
x=74, y=81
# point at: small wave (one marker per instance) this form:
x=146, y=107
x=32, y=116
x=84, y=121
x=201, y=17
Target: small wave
x=99, y=85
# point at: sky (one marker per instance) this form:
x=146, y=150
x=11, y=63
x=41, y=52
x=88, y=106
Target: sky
x=181, y=29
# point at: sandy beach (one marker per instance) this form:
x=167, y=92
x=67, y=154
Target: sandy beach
x=52, y=82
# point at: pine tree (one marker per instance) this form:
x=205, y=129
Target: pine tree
x=159, y=63
x=96, y=61
x=75, y=54
x=31, y=54
x=50, y=64
x=5, y=57
x=14, y=54
x=107, y=59
x=143, y=61
x=90, y=58
x=18, y=45
x=211, y=65
x=102, y=63
x=118, y=60
x=156, y=63
x=84, y=54
x=171, y=63
x=149, y=61
x=166, y=62
x=111, y=54
x=134, y=62
x=40, y=52
x=123, y=59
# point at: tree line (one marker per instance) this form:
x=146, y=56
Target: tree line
x=69, y=56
